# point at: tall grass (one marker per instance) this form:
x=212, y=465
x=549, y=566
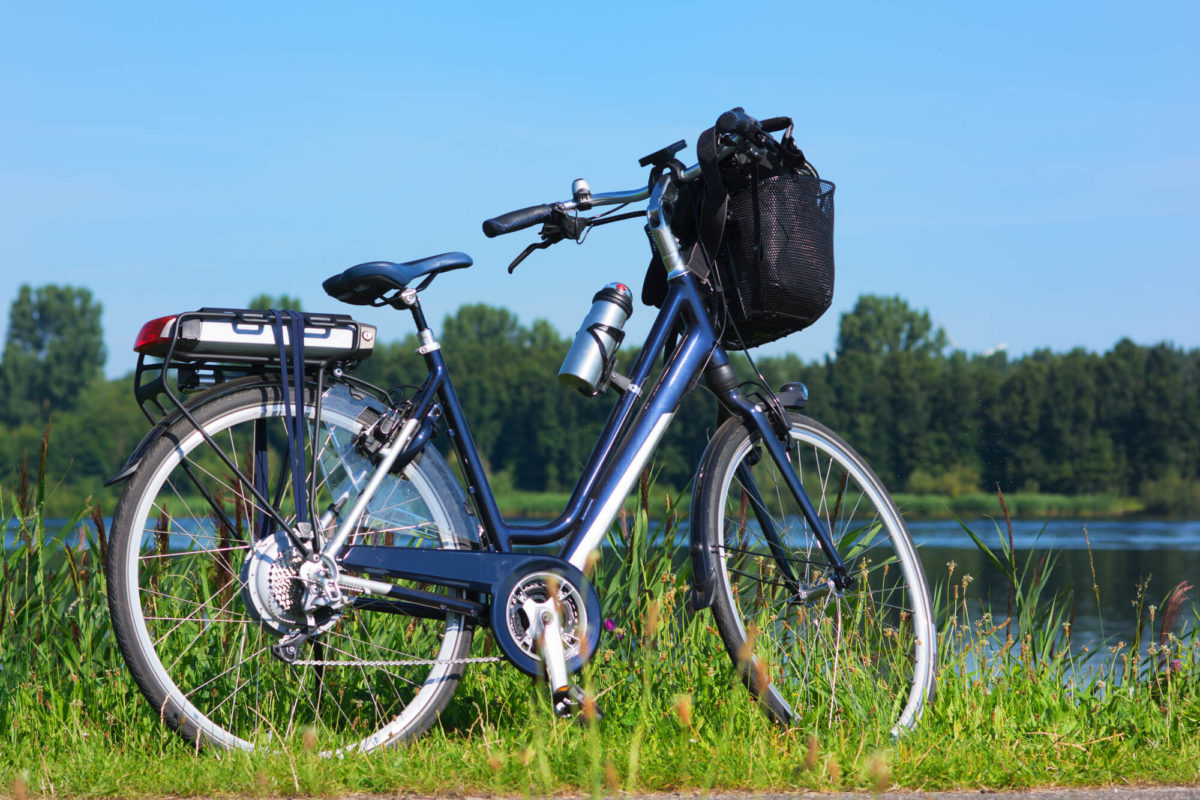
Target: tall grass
x=1016, y=706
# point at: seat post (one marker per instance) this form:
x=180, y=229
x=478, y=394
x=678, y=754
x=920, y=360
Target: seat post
x=409, y=298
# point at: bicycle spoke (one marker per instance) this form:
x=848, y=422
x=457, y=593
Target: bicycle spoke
x=845, y=653
x=194, y=562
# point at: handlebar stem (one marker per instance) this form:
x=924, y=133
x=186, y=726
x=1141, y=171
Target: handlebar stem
x=660, y=227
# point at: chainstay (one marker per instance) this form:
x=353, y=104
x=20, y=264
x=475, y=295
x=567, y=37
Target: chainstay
x=412, y=662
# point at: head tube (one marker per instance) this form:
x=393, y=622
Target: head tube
x=660, y=226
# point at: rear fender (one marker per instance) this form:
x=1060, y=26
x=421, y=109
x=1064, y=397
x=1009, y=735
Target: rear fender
x=130, y=468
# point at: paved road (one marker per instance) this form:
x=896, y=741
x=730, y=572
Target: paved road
x=1106, y=793
x=1125, y=793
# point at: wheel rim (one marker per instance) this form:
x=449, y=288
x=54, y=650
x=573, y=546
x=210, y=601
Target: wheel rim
x=865, y=656
x=212, y=660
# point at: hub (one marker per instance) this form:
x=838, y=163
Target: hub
x=272, y=590
x=286, y=593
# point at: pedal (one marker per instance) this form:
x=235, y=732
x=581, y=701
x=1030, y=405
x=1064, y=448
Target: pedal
x=573, y=703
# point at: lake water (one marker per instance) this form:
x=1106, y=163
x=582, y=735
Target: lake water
x=1123, y=553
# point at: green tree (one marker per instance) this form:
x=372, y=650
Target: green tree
x=53, y=350
x=956, y=396
x=878, y=325
x=888, y=356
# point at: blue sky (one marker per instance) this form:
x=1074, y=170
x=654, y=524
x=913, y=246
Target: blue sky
x=1029, y=173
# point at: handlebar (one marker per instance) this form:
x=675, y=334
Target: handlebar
x=744, y=128
x=527, y=217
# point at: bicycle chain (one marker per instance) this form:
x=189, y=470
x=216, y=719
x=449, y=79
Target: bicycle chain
x=413, y=662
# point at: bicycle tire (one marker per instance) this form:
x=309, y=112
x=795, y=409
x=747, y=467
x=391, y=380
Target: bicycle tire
x=866, y=655
x=177, y=580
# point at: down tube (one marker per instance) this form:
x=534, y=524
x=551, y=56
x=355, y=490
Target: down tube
x=681, y=371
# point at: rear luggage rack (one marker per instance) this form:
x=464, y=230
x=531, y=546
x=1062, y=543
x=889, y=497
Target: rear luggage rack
x=211, y=346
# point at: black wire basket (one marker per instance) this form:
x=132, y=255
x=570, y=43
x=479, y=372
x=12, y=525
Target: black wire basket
x=776, y=258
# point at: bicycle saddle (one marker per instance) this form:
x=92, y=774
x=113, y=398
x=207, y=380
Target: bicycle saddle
x=365, y=284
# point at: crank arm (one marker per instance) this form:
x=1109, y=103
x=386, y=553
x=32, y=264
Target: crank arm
x=547, y=632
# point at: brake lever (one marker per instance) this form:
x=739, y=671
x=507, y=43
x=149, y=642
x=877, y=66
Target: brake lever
x=526, y=253
x=561, y=225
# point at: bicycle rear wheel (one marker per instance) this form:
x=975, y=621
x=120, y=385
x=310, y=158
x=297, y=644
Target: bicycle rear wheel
x=197, y=600
x=812, y=656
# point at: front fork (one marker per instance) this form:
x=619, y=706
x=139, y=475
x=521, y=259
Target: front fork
x=774, y=437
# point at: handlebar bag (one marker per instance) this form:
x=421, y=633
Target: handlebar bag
x=768, y=224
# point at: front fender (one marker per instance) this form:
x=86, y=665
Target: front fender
x=704, y=573
x=792, y=396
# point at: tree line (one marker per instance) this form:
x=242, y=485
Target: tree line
x=929, y=419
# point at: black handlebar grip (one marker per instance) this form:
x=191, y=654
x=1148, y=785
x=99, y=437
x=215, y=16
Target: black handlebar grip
x=775, y=124
x=739, y=122
x=516, y=220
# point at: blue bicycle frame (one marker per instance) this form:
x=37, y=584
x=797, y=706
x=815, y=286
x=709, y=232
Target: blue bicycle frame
x=626, y=443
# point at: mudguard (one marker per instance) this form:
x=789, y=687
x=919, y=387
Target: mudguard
x=704, y=573
x=792, y=396
x=130, y=467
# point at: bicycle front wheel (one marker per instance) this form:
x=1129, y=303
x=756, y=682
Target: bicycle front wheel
x=201, y=583
x=810, y=654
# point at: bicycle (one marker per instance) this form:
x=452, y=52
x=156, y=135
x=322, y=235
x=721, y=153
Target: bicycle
x=290, y=554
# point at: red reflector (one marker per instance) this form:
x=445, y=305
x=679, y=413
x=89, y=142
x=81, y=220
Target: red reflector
x=154, y=336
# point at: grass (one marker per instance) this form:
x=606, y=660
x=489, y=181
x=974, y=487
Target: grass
x=1026, y=505
x=1014, y=707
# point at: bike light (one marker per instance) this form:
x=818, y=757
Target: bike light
x=155, y=336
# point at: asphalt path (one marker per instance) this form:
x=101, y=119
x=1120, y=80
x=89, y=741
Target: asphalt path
x=1071, y=793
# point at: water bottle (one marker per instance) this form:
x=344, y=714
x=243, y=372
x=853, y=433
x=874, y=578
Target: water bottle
x=589, y=361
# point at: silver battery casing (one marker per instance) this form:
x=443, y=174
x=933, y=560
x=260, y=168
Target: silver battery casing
x=236, y=335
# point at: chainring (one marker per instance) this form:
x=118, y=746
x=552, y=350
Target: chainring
x=576, y=600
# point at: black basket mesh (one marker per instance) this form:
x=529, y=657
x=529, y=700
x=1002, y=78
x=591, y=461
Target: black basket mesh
x=787, y=283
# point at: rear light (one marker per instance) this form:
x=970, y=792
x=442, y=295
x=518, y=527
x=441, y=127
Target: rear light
x=155, y=336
